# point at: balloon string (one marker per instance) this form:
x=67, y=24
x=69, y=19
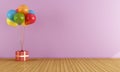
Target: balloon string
x=22, y=38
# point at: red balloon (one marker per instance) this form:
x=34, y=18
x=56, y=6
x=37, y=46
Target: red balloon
x=16, y=10
x=30, y=18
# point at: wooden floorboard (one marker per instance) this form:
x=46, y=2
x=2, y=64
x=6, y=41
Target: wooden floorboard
x=61, y=65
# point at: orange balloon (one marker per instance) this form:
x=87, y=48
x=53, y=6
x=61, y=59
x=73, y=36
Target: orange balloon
x=23, y=9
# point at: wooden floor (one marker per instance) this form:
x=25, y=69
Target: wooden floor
x=61, y=65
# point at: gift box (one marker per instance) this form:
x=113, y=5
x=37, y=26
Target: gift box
x=22, y=55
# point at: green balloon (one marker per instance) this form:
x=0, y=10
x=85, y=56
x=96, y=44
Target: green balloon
x=19, y=18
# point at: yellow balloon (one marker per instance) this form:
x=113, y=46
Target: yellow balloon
x=11, y=23
x=23, y=9
x=23, y=24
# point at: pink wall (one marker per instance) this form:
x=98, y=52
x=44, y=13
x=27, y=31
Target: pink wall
x=65, y=28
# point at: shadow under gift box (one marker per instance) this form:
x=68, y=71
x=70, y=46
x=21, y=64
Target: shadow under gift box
x=22, y=55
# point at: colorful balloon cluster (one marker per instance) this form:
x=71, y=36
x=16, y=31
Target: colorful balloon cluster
x=21, y=16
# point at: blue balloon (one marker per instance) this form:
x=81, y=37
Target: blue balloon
x=31, y=11
x=11, y=14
